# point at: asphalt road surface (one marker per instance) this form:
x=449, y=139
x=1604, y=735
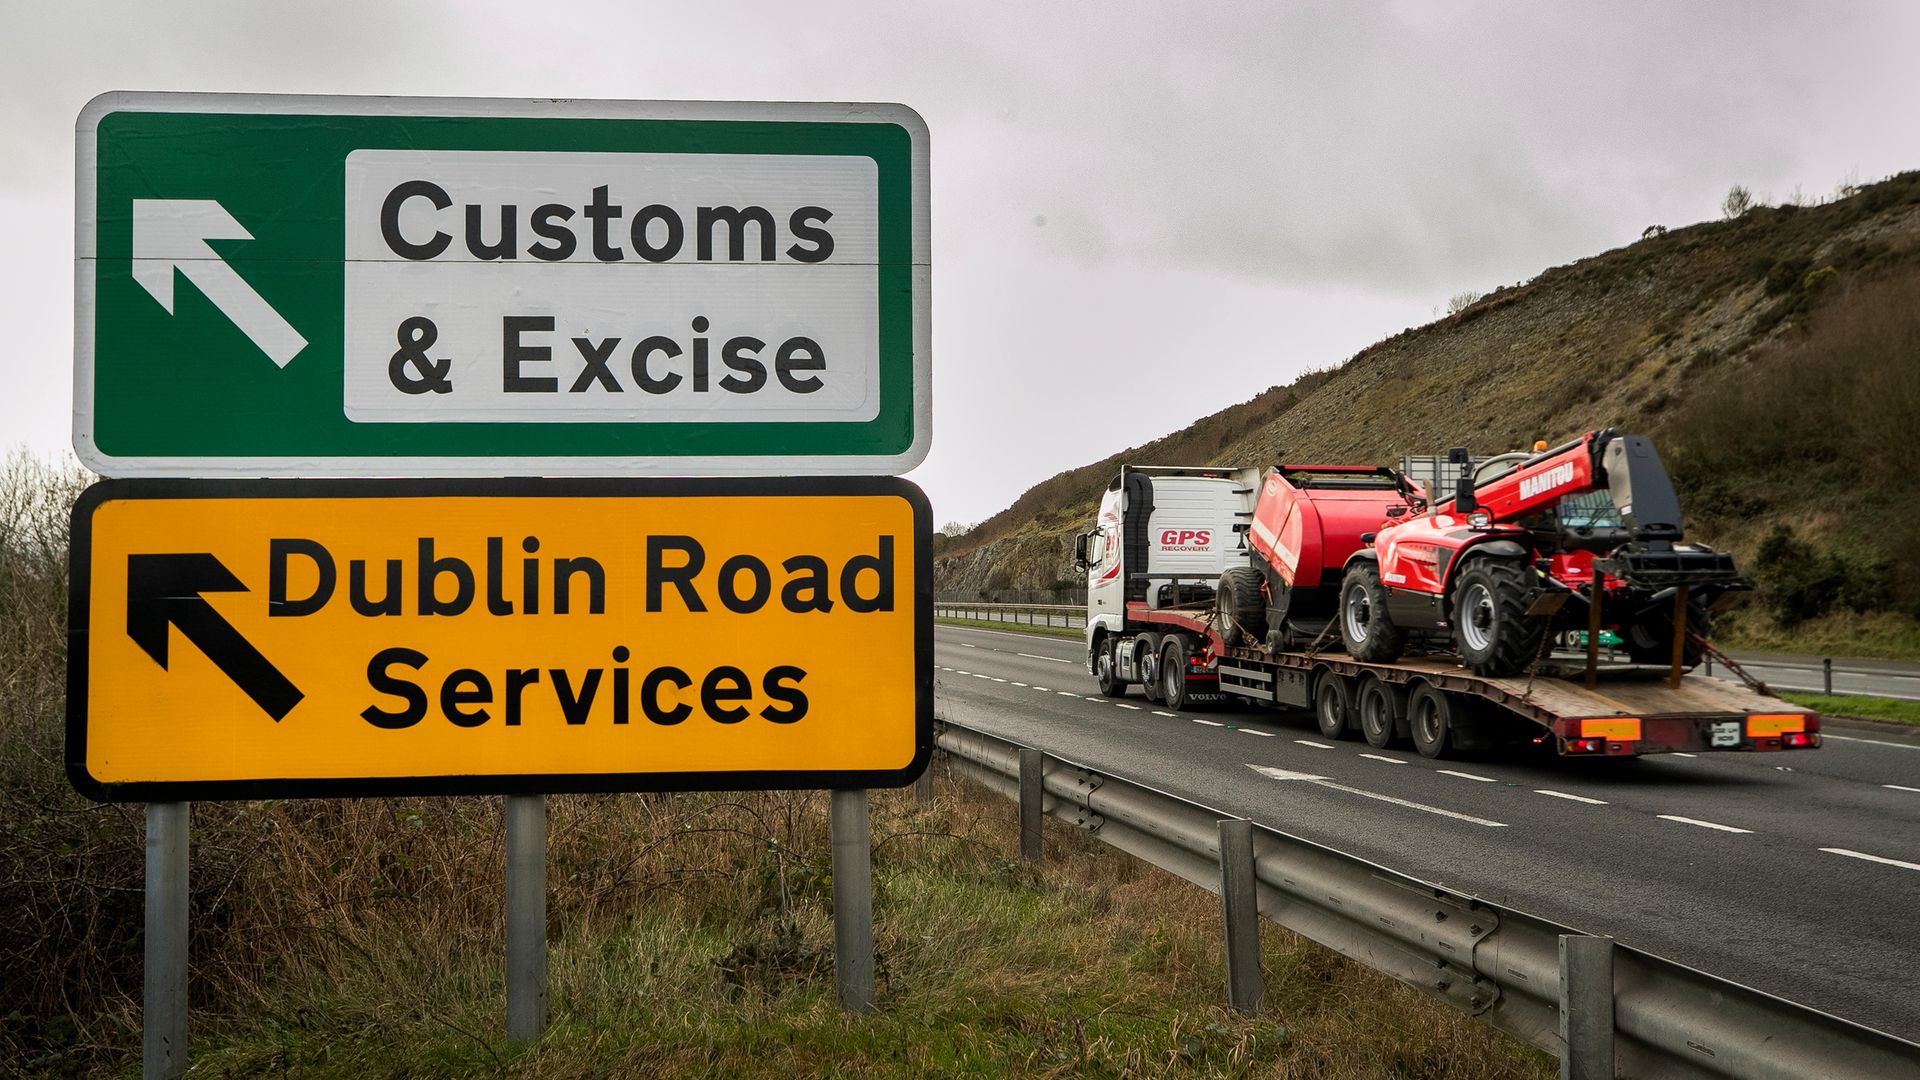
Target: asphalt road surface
x=1797, y=873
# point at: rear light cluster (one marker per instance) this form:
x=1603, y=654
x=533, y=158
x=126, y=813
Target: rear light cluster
x=1800, y=740
x=1586, y=746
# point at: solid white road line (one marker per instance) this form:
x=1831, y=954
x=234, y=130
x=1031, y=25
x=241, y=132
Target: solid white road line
x=1157, y=712
x=1124, y=705
x=1209, y=723
x=1898, y=787
x=1569, y=798
x=1702, y=824
x=1315, y=745
x=1870, y=858
x=1055, y=659
x=1321, y=781
x=978, y=630
x=1873, y=742
x=1252, y=731
x=1467, y=776
x=1385, y=758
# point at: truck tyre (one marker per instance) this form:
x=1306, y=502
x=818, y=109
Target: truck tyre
x=1239, y=610
x=1365, y=627
x=1332, y=705
x=1105, y=673
x=1146, y=651
x=1431, y=715
x=1173, y=674
x=1497, y=637
x=1383, y=709
x=1650, y=641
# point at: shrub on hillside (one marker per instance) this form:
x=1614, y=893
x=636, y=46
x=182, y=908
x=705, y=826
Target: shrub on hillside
x=1797, y=581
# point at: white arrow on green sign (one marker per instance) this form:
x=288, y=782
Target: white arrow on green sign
x=349, y=286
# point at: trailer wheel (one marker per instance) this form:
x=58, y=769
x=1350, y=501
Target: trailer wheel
x=1365, y=627
x=1332, y=706
x=1382, y=708
x=1173, y=674
x=1431, y=716
x=1496, y=635
x=1106, y=674
x=1650, y=640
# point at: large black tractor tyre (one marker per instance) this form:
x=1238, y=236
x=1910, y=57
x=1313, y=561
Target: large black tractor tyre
x=1366, y=629
x=1497, y=637
x=1105, y=673
x=1650, y=640
x=1173, y=674
x=1239, y=610
x=1332, y=705
x=1382, y=709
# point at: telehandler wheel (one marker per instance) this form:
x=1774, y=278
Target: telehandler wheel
x=1496, y=635
x=1239, y=610
x=1382, y=708
x=1105, y=673
x=1431, y=716
x=1173, y=674
x=1650, y=641
x=1332, y=705
x=1365, y=627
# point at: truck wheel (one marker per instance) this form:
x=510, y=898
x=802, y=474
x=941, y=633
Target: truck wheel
x=1382, y=708
x=1173, y=674
x=1239, y=610
x=1146, y=650
x=1497, y=637
x=1332, y=710
x=1430, y=718
x=1365, y=627
x=1106, y=675
x=1650, y=641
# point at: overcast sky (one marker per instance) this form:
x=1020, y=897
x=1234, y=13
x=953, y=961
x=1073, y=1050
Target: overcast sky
x=1141, y=212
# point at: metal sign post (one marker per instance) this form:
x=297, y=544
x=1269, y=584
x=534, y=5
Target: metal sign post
x=164, y=1004
x=526, y=916
x=852, y=901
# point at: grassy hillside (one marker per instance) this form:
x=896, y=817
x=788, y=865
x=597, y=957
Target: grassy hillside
x=1771, y=356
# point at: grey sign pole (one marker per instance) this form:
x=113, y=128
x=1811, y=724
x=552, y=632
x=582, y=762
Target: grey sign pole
x=852, y=901
x=526, y=916
x=164, y=1006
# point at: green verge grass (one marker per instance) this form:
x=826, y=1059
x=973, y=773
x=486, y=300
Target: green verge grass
x=1074, y=632
x=1872, y=708
x=1879, y=636
x=1091, y=964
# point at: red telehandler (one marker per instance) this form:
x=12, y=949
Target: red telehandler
x=1521, y=552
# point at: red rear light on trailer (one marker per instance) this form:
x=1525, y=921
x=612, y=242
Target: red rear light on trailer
x=1586, y=746
x=1800, y=740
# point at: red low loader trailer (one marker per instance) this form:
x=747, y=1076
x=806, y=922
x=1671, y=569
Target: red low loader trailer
x=1161, y=615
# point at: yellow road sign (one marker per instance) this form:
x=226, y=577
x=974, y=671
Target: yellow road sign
x=253, y=639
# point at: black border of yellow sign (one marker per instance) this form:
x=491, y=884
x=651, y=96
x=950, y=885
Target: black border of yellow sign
x=80, y=592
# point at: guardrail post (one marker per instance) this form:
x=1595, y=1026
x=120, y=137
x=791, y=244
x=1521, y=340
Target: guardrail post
x=526, y=916
x=1240, y=912
x=852, y=900
x=163, y=1006
x=1032, y=802
x=1586, y=1007
x=1826, y=673
x=923, y=786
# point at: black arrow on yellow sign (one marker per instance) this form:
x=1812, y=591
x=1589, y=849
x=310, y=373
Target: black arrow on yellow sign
x=165, y=590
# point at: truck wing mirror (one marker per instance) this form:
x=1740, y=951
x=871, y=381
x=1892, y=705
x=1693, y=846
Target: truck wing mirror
x=1080, y=552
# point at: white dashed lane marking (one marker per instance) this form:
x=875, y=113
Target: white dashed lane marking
x=1315, y=745
x=1032, y=656
x=1570, y=798
x=1898, y=787
x=1209, y=723
x=1020, y=684
x=1677, y=753
x=1702, y=824
x=1251, y=731
x=1870, y=858
x=1385, y=758
x=1466, y=776
x=1124, y=705
x=1066, y=693
x=1157, y=712
x=1285, y=774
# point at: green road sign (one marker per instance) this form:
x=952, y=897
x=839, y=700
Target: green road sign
x=338, y=286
